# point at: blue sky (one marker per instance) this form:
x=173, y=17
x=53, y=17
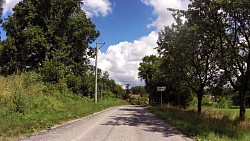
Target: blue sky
x=129, y=28
x=127, y=22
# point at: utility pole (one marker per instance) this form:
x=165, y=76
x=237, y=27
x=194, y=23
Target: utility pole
x=96, y=53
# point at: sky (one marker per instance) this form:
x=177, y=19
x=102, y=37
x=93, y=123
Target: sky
x=129, y=29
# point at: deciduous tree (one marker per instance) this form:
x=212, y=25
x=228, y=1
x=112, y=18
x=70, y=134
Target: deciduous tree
x=228, y=22
x=47, y=30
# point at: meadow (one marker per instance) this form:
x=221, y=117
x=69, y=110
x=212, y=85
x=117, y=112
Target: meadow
x=233, y=112
x=212, y=125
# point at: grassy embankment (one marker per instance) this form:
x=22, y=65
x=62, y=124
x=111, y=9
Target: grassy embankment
x=28, y=105
x=212, y=125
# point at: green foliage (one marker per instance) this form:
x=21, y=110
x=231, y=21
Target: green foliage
x=52, y=38
x=193, y=100
x=205, y=101
x=29, y=105
x=138, y=90
x=144, y=100
x=226, y=24
x=134, y=101
x=24, y=94
x=221, y=102
x=138, y=100
x=87, y=85
x=150, y=72
x=41, y=31
x=224, y=102
x=208, y=102
x=74, y=83
x=52, y=71
x=208, y=49
x=108, y=95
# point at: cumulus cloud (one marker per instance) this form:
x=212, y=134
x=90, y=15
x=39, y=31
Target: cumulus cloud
x=97, y=7
x=122, y=60
x=92, y=7
x=164, y=16
x=9, y=4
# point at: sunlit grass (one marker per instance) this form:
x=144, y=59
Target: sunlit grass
x=212, y=125
x=28, y=105
x=235, y=112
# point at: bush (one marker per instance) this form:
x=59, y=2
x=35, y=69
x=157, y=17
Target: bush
x=52, y=71
x=193, y=100
x=74, y=83
x=144, y=100
x=224, y=102
x=134, y=101
x=108, y=95
x=208, y=102
x=205, y=101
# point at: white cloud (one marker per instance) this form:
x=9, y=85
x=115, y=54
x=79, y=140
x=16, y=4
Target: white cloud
x=92, y=7
x=97, y=7
x=122, y=60
x=164, y=16
x=9, y=4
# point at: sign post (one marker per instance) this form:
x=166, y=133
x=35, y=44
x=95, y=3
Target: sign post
x=161, y=89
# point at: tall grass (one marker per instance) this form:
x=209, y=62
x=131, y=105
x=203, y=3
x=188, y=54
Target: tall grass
x=212, y=125
x=29, y=105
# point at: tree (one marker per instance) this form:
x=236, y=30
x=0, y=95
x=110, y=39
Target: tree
x=39, y=31
x=188, y=54
x=1, y=9
x=138, y=90
x=149, y=71
x=228, y=22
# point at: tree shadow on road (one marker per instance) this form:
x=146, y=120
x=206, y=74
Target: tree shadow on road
x=138, y=116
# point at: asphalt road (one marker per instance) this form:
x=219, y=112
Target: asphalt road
x=125, y=123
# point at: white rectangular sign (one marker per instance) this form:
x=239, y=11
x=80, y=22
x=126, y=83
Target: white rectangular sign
x=161, y=89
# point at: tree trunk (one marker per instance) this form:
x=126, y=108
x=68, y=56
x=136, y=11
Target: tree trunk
x=242, y=105
x=199, y=95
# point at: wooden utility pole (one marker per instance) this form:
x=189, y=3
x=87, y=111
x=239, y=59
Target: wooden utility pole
x=96, y=68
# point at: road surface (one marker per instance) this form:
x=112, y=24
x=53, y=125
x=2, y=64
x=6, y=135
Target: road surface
x=125, y=123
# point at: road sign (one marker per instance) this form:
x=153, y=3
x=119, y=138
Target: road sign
x=161, y=89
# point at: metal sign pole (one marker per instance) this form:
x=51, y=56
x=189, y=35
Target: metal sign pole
x=161, y=89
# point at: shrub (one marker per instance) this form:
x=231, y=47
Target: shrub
x=224, y=102
x=108, y=95
x=134, y=101
x=193, y=100
x=74, y=83
x=52, y=71
x=144, y=100
x=208, y=102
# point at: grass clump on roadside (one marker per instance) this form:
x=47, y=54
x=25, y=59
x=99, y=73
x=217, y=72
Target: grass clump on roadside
x=212, y=125
x=29, y=105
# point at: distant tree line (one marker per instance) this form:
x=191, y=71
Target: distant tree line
x=206, y=48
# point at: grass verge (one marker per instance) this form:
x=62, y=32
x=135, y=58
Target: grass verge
x=212, y=125
x=28, y=105
x=18, y=125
